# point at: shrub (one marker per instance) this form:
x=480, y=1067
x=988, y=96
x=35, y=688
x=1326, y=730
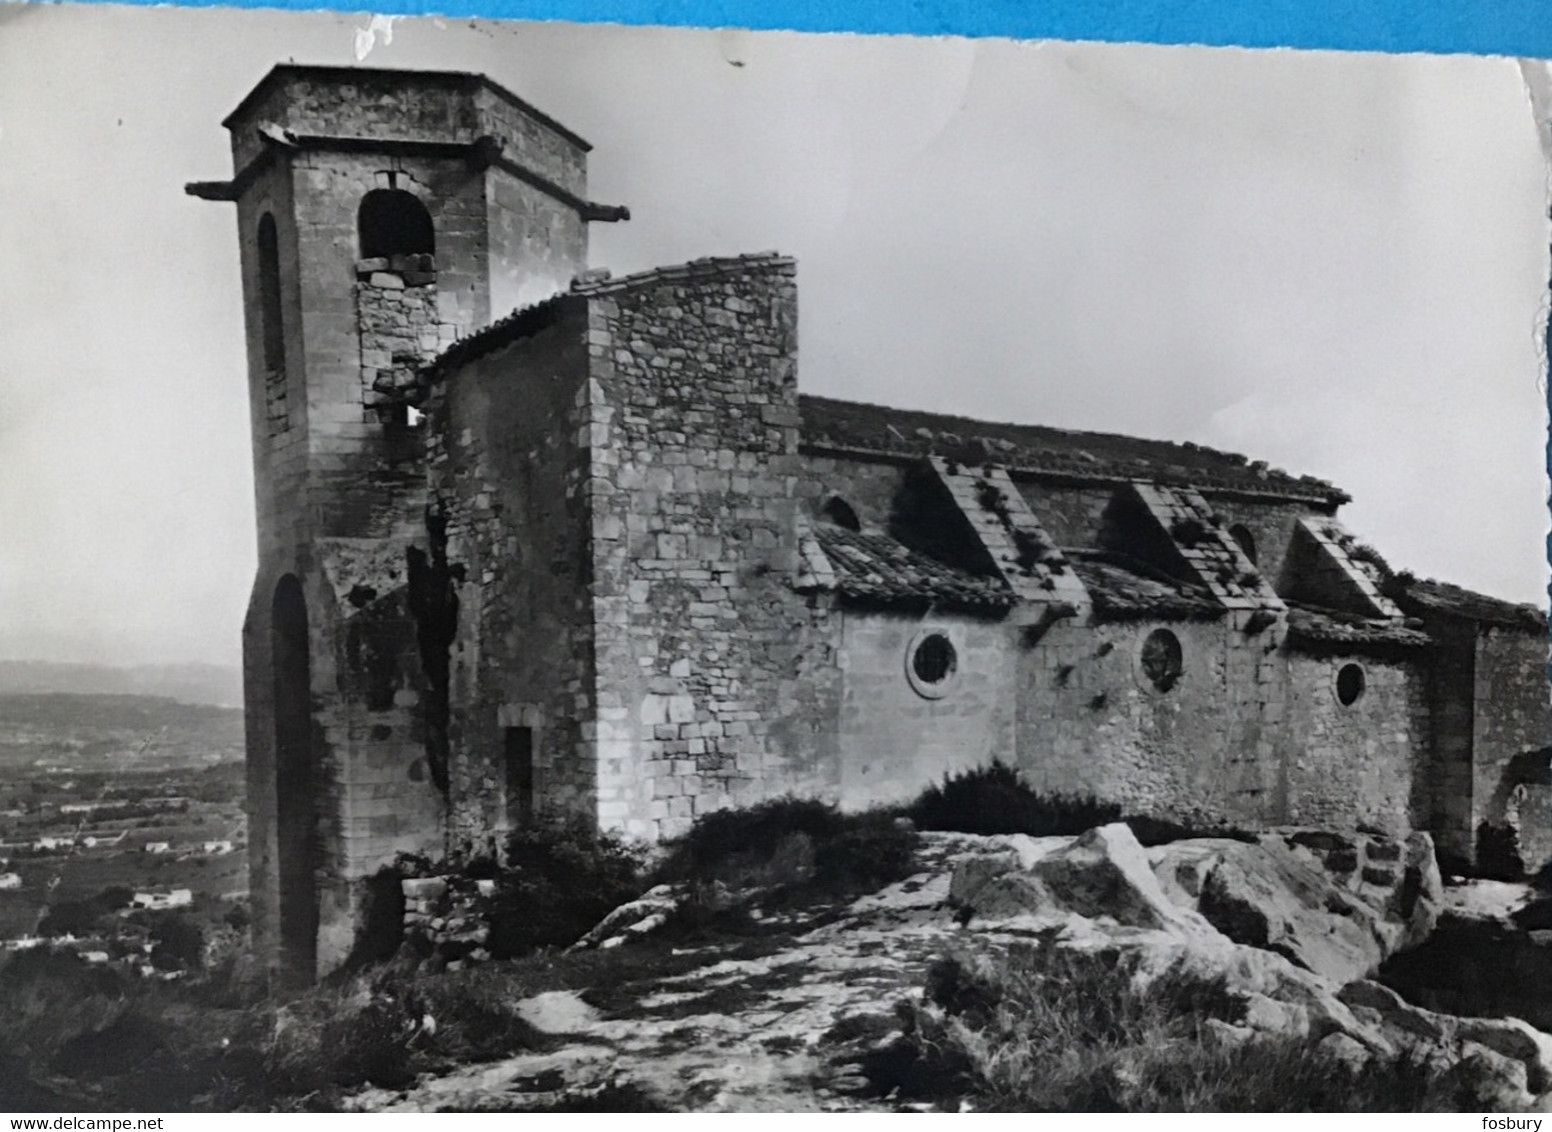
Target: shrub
x=557, y=884
x=179, y=944
x=996, y=799
x=797, y=849
x=1046, y=1029
x=72, y=917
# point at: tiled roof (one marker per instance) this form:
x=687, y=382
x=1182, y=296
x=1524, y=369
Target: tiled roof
x=1441, y=597
x=854, y=426
x=1327, y=628
x=1121, y=593
x=529, y=320
x=879, y=569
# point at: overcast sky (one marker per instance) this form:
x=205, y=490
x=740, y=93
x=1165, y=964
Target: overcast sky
x=1336, y=263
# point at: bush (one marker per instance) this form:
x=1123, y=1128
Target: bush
x=996, y=799
x=73, y=917
x=179, y=944
x=797, y=849
x=1046, y=1029
x=557, y=884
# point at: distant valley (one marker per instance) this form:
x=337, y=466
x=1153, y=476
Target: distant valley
x=108, y=798
x=192, y=683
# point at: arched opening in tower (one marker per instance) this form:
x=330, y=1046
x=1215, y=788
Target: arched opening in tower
x=269, y=298
x=393, y=222
x=296, y=810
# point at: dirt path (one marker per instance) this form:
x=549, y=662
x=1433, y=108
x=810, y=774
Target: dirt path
x=744, y=1035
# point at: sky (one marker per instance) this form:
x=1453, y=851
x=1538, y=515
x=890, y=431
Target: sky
x=1337, y=263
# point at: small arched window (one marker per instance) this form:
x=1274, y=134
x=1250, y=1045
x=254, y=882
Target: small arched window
x=393, y=222
x=269, y=299
x=841, y=513
x=1247, y=541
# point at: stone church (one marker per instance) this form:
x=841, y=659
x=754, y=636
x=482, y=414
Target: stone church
x=600, y=558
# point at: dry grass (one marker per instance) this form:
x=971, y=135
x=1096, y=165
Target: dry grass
x=1045, y=1029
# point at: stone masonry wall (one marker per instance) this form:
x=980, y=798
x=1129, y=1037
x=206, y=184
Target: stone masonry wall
x=716, y=683
x=894, y=741
x=1452, y=701
x=870, y=488
x=1271, y=525
x=536, y=244
x=1091, y=722
x=1251, y=734
x=507, y=468
x=1513, y=729
x=1072, y=516
x=1362, y=762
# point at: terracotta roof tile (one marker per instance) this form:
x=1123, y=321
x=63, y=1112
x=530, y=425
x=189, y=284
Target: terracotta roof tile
x=1440, y=597
x=1328, y=628
x=877, y=568
x=854, y=426
x=1126, y=593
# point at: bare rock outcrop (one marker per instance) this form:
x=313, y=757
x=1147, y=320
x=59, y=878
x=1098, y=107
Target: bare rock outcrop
x=1334, y=905
x=1293, y=936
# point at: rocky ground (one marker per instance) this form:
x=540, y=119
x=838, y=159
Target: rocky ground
x=1297, y=920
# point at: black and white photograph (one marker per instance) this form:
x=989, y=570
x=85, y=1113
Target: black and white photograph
x=556, y=567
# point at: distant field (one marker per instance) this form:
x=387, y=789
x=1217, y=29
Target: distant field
x=165, y=770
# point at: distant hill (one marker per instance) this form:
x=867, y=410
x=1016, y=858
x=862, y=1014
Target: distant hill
x=191, y=683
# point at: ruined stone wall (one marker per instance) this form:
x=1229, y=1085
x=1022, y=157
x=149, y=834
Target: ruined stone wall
x=896, y=738
x=1091, y=721
x=1512, y=730
x=508, y=461
x=364, y=324
x=341, y=490
x=716, y=683
x=1362, y=762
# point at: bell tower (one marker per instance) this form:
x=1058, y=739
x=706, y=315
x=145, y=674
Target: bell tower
x=381, y=215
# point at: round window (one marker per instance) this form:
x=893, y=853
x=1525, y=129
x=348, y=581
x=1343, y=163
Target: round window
x=1161, y=659
x=1349, y=684
x=931, y=663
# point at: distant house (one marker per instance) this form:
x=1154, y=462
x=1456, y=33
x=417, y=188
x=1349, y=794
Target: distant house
x=94, y=956
x=49, y=844
x=217, y=848
x=160, y=901
x=9, y=881
x=158, y=846
x=78, y=807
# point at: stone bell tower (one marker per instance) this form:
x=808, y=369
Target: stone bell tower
x=381, y=215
